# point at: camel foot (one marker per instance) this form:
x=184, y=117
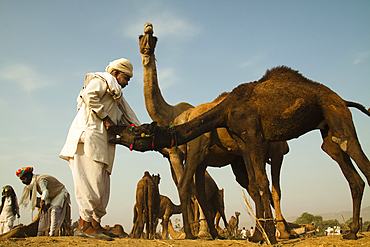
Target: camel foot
x=284, y=232
x=190, y=236
x=350, y=235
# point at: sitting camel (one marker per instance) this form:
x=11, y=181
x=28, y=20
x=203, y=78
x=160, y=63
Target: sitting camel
x=173, y=233
x=216, y=148
x=117, y=229
x=234, y=224
x=147, y=206
x=282, y=105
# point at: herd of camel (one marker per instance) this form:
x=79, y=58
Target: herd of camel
x=151, y=206
x=247, y=129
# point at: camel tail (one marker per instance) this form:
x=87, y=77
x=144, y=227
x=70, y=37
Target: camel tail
x=358, y=106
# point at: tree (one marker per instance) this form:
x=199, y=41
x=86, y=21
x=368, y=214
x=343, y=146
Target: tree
x=307, y=218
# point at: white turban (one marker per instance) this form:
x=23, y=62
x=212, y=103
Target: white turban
x=123, y=65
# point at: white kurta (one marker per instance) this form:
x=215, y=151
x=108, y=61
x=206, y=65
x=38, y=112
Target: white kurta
x=88, y=127
x=7, y=217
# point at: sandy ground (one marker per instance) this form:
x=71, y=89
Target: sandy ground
x=364, y=240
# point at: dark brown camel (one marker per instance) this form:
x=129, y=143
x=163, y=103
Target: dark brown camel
x=216, y=148
x=234, y=224
x=281, y=106
x=166, y=210
x=147, y=206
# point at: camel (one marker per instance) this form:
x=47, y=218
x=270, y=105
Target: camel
x=234, y=223
x=147, y=206
x=117, y=229
x=166, y=210
x=212, y=149
x=282, y=105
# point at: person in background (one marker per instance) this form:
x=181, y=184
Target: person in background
x=101, y=107
x=244, y=233
x=8, y=209
x=54, y=199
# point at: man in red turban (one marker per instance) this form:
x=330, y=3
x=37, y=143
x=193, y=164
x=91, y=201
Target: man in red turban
x=54, y=198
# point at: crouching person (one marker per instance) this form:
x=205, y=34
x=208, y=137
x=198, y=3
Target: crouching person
x=54, y=199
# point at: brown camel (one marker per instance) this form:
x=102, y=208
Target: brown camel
x=147, y=206
x=216, y=148
x=166, y=210
x=234, y=224
x=281, y=106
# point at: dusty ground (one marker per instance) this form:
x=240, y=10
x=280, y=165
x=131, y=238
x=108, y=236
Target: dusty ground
x=364, y=240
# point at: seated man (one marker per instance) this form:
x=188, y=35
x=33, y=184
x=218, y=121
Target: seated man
x=54, y=198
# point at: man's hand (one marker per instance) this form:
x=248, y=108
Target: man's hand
x=44, y=207
x=109, y=124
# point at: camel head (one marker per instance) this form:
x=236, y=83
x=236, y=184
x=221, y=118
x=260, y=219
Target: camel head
x=147, y=42
x=146, y=137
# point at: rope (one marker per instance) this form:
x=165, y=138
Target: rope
x=250, y=212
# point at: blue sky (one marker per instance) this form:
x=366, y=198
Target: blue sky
x=204, y=49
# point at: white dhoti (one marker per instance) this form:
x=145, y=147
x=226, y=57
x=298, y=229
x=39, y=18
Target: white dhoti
x=7, y=225
x=52, y=220
x=92, y=185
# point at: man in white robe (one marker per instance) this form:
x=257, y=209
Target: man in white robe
x=101, y=107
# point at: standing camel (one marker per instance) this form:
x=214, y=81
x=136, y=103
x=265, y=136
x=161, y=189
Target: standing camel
x=216, y=148
x=147, y=206
x=234, y=224
x=281, y=106
x=166, y=210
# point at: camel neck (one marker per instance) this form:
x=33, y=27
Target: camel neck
x=204, y=123
x=156, y=106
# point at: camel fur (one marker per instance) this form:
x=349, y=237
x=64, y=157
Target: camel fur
x=282, y=105
x=216, y=148
x=147, y=206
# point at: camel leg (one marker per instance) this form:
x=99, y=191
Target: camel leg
x=355, y=182
x=165, y=226
x=135, y=221
x=202, y=198
x=254, y=153
x=184, y=194
x=281, y=224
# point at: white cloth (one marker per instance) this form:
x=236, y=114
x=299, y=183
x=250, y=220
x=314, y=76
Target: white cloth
x=52, y=219
x=25, y=198
x=7, y=217
x=100, y=98
x=92, y=185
